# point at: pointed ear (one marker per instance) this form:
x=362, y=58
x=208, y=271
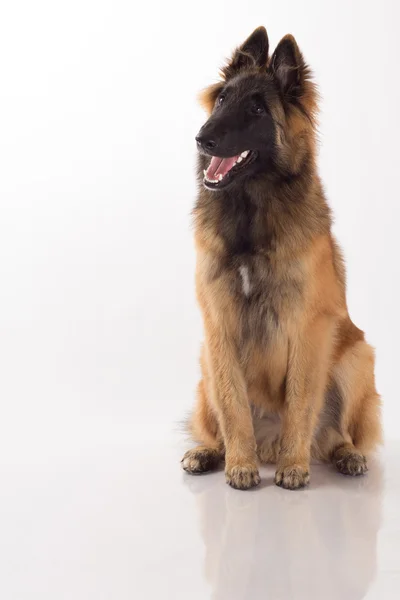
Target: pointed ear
x=288, y=67
x=252, y=53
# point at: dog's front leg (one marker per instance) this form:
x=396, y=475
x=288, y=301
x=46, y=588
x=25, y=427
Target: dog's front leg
x=233, y=410
x=308, y=365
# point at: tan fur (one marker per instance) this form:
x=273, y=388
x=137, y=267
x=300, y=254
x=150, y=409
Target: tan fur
x=296, y=381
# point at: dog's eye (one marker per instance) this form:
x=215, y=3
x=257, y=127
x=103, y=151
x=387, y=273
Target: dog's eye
x=220, y=100
x=257, y=108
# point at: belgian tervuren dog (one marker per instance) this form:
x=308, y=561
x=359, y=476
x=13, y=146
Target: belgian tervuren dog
x=286, y=375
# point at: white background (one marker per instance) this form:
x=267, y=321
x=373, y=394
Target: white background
x=99, y=329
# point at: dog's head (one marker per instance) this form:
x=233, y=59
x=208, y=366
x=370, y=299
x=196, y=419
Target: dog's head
x=261, y=114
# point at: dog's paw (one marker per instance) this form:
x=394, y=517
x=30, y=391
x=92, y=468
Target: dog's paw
x=242, y=477
x=200, y=460
x=292, y=477
x=352, y=464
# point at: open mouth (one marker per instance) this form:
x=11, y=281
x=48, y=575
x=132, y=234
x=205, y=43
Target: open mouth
x=221, y=170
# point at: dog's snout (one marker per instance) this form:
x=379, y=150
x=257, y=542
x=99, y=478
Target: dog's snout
x=209, y=144
x=204, y=142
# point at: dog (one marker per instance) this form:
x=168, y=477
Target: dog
x=286, y=376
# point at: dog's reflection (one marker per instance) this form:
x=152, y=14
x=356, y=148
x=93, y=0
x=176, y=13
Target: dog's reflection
x=272, y=543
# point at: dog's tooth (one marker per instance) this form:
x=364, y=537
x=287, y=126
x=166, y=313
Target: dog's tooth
x=205, y=173
x=244, y=154
x=220, y=177
x=239, y=160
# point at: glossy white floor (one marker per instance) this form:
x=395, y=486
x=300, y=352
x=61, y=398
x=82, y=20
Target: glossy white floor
x=117, y=519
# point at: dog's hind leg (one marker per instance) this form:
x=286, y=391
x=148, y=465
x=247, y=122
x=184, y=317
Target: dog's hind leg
x=355, y=428
x=203, y=427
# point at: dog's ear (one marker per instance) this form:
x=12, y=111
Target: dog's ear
x=252, y=53
x=288, y=67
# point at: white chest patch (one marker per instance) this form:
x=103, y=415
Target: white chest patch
x=244, y=273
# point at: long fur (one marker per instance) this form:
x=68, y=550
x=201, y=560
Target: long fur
x=286, y=375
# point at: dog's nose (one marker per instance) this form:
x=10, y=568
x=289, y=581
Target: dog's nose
x=207, y=144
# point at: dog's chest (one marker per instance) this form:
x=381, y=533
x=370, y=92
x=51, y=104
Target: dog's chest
x=245, y=279
x=249, y=276
x=265, y=295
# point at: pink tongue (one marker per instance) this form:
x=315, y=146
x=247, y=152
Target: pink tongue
x=220, y=166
